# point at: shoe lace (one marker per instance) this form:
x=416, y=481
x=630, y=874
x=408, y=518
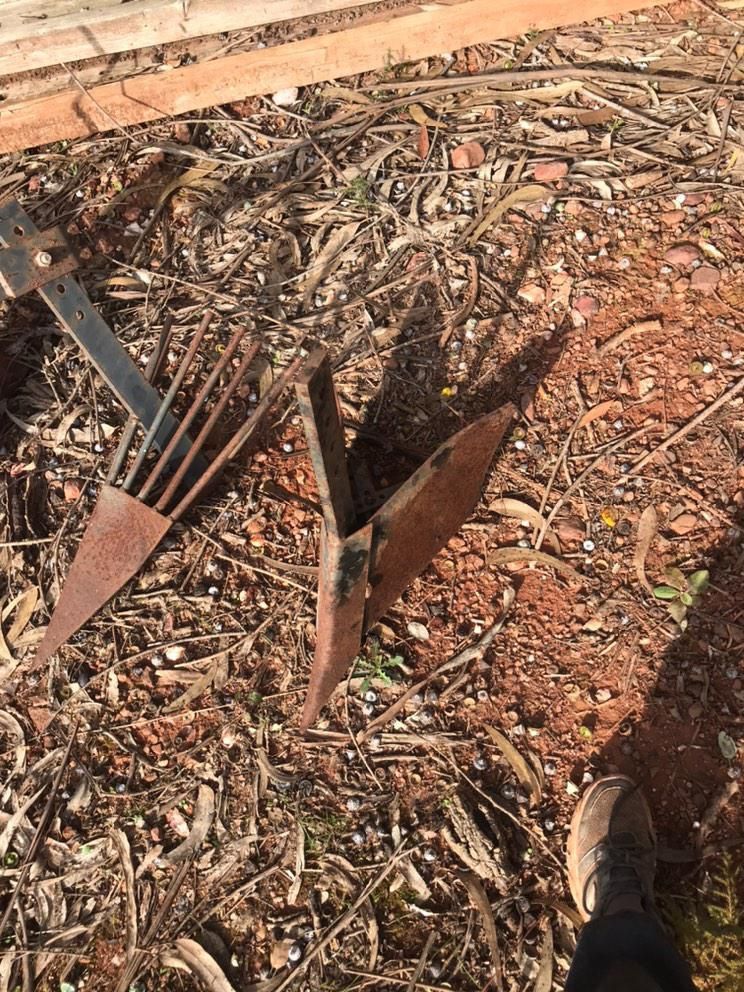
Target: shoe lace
x=621, y=864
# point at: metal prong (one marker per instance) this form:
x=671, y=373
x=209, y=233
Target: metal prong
x=152, y=369
x=233, y=446
x=191, y=414
x=167, y=401
x=201, y=438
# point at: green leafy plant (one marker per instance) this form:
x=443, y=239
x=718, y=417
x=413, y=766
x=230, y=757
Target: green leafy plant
x=711, y=933
x=680, y=592
x=358, y=191
x=377, y=665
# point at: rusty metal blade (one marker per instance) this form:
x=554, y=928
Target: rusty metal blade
x=429, y=509
x=121, y=534
x=341, y=590
x=316, y=397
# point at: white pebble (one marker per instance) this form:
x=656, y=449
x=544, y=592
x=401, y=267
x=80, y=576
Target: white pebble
x=286, y=97
x=588, y=545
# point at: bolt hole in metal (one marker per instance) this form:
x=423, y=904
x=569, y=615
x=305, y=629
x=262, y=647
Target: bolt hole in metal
x=60, y=289
x=18, y=230
x=79, y=315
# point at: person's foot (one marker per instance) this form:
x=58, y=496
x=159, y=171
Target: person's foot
x=611, y=850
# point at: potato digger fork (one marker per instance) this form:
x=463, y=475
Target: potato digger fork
x=128, y=522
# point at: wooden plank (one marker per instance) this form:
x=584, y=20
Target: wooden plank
x=426, y=31
x=68, y=33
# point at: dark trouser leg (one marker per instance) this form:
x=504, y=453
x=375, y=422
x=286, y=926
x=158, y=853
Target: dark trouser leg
x=627, y=952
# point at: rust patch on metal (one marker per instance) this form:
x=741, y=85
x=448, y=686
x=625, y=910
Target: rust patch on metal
x=32, y=261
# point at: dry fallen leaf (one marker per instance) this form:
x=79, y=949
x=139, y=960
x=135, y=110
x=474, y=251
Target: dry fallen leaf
x=422, y=142
x=598, y=411
x=647, y=527
x=544, y=978
x=200, y=827
x=517, y=197
x=187, y=954
x=480, y=901
x=502, y=556
x=467, y=156
x=527, y=775
x=509, y=507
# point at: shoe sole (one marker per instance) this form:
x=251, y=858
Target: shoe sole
x=572, y=858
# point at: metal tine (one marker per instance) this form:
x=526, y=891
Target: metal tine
x=152, y=369
x=201, y=438
x=233, y=446
x=191, y=413
x=167, y=402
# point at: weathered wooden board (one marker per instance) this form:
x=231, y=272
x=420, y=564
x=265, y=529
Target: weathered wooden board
x=426, y=30
x=37, y=33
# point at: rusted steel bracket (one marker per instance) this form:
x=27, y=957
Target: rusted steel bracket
x=124, y=530
x=364, y=567
x=41, y=260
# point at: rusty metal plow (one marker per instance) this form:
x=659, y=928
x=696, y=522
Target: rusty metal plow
x=364, y=567
x=129, y=520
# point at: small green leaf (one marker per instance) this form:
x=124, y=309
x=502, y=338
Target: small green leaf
x=686, y=598
x=678, y=612
x=585, y=732
x=727, y=746
x=675, y=577
x=699, y=581
x=665, y=592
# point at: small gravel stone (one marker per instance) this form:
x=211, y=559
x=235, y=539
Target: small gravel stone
x=531, y=293
x=588, y=545
x=546, y=172
x=286, y=97
x=683, y=524
x=587, y=306
x=705, y=279
x=682, y=255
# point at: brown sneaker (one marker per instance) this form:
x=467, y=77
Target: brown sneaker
x=611, y=850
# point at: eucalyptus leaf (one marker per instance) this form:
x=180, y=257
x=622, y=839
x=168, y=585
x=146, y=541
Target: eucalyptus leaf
x=665, y=592
x=727, y=746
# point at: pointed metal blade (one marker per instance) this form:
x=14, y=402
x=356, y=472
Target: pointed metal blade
x=429, y=509
x=121, y=535
x=342, y=586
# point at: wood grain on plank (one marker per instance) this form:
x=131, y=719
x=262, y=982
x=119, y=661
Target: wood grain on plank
x=426, y=31
x=70, y=31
